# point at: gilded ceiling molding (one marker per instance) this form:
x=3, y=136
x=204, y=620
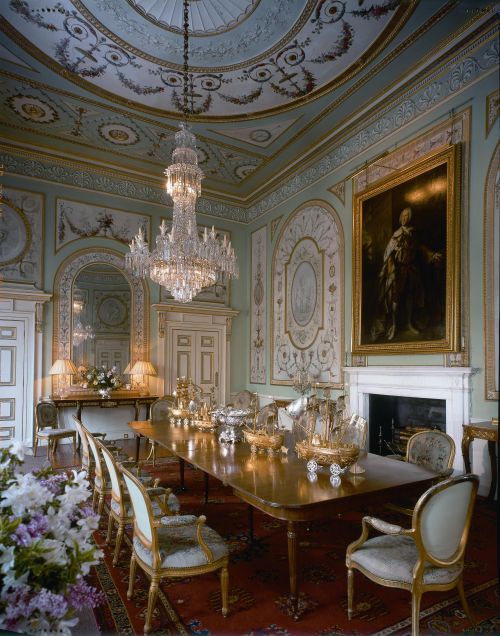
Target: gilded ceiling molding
x=82, y=175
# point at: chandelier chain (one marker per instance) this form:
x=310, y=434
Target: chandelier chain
x=186, y=59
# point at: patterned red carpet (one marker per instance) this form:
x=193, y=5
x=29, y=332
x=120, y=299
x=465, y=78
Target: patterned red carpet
x=258, y=579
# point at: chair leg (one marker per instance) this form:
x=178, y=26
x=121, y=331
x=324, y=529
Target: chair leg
x=110, y=528
x=224, y=586
x=74, y=445
x=118, y=543
x=350, y=591
x=48, y=448
x=153, y=593
x=131, y=580
x=100, y=507
x=35, y=446
x=415, y=613
x=465, y=605
x=94, y=498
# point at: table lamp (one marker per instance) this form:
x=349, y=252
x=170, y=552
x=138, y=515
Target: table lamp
x=62, y=368
x=143, y=368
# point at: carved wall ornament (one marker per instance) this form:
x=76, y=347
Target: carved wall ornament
x=339, y=190
x=274, y=225
x=258, y=307
x=79, y=220
x=307, y=297
x=492, y=110
x=21, y=237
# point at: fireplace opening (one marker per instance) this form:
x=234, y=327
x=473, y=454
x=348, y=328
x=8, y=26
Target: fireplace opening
x=394, y=419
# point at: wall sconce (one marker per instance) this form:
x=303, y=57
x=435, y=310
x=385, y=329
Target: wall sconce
x=63, y=368
x=143, y=368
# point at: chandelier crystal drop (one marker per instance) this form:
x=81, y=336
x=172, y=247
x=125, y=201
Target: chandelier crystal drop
x=182, y=261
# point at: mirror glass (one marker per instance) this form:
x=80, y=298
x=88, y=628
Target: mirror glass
x=101, y=310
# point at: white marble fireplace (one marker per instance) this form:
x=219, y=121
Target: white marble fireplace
x=442, y=383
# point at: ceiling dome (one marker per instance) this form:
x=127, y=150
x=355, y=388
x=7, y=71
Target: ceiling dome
x=206, y=17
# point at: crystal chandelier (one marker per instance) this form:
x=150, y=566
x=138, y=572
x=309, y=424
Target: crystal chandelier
x=182, y=261
x=81, y=332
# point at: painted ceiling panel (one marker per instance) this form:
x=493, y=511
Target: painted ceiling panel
x=272, y=83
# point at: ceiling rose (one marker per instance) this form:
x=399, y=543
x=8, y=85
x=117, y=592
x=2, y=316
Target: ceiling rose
x=206, y=17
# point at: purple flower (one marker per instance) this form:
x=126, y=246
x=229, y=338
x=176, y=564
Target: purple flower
x=38, y=525
x=17, y=604
x=53, y=482
x=81, y=595
x=55, y=605
x=22, y=535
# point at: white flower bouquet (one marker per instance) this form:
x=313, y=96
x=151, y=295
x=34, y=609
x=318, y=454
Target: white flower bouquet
x=46, y=547
x=100, y=378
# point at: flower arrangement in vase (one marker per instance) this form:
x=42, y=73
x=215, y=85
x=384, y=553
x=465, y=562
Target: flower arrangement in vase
x=46, y=547
x=101, y=379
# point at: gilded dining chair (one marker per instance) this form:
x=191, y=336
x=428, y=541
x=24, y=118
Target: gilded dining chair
x=159, y=412
x=47, y=428
x=174, y=546
x=164, y=501
x=427, y=557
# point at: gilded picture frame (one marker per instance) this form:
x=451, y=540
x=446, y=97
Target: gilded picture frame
x=406, y=260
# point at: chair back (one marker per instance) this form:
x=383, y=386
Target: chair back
x=432, y=449
x=83, y=441
x=46, y=415
x=142, y=507
x=98, y=462
x=159, y=410
x=117, y=490
x=442, y=517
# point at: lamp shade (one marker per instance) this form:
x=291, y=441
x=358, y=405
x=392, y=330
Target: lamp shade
x=143, y=367
x=63, y=366
x=126, y=370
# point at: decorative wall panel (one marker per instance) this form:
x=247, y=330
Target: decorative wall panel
x=491, y=275
x=307, y=297
x=258, y=305
x=21, y=237
x=77, y=220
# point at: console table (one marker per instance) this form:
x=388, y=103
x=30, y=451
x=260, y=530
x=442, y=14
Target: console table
x=118, y=398
x=488, y=432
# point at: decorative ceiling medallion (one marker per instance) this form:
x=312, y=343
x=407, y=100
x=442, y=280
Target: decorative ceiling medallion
x=32, y=109
x=206, y=17
x=283, y=64
x=118, y=134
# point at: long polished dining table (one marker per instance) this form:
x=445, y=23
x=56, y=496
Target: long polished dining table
x=280, y=485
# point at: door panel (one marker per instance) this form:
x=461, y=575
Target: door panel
x=12, y=351
x=195, y=355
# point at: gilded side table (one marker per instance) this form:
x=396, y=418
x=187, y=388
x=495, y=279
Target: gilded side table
x=488, y=432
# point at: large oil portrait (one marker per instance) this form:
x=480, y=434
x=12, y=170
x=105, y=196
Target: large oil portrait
x=406, y=260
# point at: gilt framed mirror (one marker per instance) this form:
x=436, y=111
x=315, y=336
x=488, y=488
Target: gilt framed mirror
x=101, y=313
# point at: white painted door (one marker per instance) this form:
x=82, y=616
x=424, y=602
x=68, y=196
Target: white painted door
x=12, y=352
x=195, y=355
x=112, y=353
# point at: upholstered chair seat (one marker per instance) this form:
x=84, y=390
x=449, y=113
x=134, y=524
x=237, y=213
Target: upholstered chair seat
x=178, y=544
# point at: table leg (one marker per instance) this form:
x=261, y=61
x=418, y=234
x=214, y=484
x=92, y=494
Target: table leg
x=137, y=447
x=493, y=462
x=292, y=569
x=205, y=481
x=466, y=440
x=250, y=523
x=181, y=472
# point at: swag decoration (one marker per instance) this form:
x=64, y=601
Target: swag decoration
x=46, y=547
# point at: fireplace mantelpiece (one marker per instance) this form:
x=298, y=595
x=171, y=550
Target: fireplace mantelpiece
x=452, y=384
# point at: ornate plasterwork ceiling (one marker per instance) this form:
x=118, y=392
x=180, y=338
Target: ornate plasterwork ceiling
x=272, y=81
x=285, y=50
